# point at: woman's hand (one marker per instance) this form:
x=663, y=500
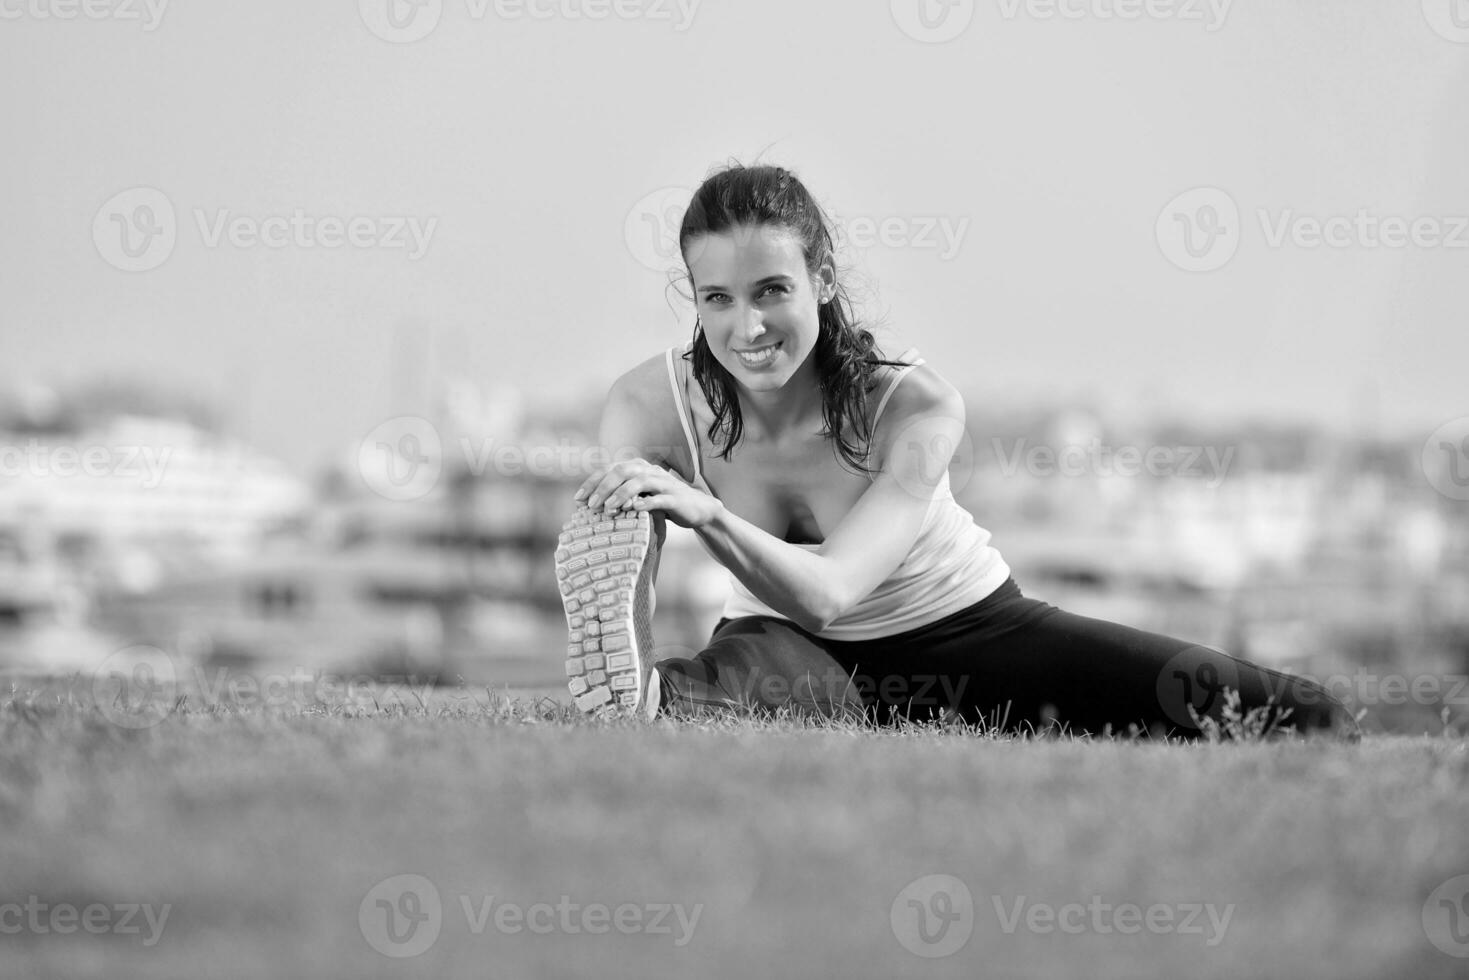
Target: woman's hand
x=637, y=484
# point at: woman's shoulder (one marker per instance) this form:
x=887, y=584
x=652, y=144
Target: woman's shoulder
x=917, y=391
x=920, y=405
x=647, y=381
x=922, y=387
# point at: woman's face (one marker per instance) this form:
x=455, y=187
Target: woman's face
x=756, y=301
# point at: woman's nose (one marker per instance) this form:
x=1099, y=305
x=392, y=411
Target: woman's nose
x=754, y=324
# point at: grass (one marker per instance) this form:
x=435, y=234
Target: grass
x=264, y=826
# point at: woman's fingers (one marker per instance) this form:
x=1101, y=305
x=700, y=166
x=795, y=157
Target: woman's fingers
x=616, y=485
x=627, y=493
x=603, y=480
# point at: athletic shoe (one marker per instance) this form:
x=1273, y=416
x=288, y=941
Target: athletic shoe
x=604, y=567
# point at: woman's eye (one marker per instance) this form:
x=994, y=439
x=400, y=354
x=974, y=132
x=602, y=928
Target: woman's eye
x=777, y=287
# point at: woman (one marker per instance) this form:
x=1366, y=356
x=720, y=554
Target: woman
x=816, y=473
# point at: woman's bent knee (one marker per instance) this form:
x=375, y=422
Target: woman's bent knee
x=763, y=665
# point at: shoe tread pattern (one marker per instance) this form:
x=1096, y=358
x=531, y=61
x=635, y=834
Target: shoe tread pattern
x=604, y=570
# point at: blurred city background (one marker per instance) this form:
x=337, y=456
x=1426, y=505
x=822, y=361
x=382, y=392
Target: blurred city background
x=127, y=517
x=233, y=299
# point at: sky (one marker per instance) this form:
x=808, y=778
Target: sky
x=1078, y=201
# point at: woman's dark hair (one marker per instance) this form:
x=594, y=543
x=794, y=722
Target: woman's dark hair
x=845, y=363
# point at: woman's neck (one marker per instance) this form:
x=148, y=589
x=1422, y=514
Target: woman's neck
x=793, y=407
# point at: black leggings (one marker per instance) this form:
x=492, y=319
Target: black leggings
x=1007, y=662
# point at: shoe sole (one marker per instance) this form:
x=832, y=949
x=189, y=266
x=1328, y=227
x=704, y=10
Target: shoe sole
x=604, y=569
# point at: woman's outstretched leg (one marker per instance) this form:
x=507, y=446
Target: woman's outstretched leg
x=758, y=663
x=1085, y=675
x=1109, y=674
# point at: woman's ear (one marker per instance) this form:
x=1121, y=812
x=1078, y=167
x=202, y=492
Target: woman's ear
x=825, y=281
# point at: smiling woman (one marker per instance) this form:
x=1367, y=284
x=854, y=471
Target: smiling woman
x=859, y=586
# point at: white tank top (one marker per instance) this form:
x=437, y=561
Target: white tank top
x=950, y=567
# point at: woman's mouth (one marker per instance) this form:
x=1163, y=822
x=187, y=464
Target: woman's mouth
x=760, y=356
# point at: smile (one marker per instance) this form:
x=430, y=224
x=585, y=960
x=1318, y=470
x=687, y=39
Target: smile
x=760, y=356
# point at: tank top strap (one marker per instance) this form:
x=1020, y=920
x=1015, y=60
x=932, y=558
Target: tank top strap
x=680, y=400
x=898, y=376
